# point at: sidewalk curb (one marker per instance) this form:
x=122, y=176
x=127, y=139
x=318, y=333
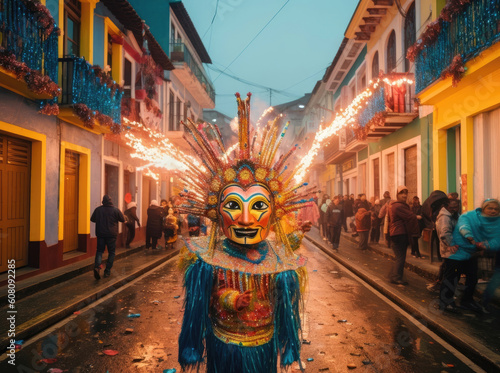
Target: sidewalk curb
x=30, y=328
x=45, y=284
x=468, y=346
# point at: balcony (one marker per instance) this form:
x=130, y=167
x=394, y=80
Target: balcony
x=335, y=152
x=28, y=50
x=189, y=72
x=88, y=100
x=467, y=35
x=389, y=108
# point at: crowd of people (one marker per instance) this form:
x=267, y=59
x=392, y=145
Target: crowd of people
x=460, y=239
x=163, y=220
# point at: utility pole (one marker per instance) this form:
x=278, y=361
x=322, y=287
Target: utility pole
x=270, y=97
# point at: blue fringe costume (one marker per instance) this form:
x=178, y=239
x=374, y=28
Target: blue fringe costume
x=277, y=279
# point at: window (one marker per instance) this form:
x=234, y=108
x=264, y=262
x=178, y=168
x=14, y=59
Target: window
x=110, y=51
x=178, y=115
x=391, y=52
x=409, y=32
x=127, y=78
x=171, y=113
x=72, y=15
x=375, y=66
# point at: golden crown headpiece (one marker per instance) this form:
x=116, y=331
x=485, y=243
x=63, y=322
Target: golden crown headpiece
x=254, y=163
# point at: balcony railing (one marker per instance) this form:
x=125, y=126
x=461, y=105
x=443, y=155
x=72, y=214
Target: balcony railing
x=32, y=42
x=388, y=98
x=470, y=32
x=80, y=85
x=180, y=53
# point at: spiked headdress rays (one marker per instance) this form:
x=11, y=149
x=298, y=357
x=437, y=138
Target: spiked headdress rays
x=254, y=163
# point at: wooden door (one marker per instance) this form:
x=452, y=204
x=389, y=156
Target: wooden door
x=376, y=178
x=15, y=168
x=71, y=170
x=391, y=185
x=411, y=172
x=146, y=199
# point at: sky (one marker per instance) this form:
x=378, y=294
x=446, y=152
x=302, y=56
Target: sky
x=289, y=55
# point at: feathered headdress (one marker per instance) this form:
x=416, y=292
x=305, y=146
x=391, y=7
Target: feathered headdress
x=254, y=163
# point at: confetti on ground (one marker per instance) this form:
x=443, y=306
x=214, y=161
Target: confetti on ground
x=49, y=361
x=110, y=352
x=133, y=315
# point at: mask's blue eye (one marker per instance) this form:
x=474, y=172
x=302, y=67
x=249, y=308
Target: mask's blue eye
x=232, y=205
x=260, y=205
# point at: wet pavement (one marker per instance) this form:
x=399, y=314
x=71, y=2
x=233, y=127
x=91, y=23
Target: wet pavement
x=476, y=335
x=42, y=309
x=345, y=324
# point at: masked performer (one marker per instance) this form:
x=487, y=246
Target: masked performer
x=243, y=287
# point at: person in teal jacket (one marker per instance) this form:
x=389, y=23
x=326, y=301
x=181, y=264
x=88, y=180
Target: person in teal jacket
x=476, y=232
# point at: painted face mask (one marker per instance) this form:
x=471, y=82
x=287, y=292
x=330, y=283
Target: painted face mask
x=245, y=213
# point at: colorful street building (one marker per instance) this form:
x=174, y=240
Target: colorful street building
x=75, y=78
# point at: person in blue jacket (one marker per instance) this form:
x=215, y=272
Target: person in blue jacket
x=476, y=232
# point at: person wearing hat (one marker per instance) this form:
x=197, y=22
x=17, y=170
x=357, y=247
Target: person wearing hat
x=154, y=224
x=106, y=218
x=403, y=225
x=130, y=219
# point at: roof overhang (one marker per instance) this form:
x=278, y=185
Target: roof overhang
x=366, y=18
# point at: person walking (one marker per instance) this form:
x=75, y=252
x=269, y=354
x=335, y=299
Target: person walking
x=445, y=224
x=130, y=219
x=403, y=224
x=106, y=218
x=375, y=232
x=363, y=222
x=476, y=232
x=154, y=225
x=334, y=218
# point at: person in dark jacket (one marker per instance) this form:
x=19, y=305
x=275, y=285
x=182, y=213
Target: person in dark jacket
x=363, y=223
x=154, y=226
x=416, y=207
x=130, y=219
x=403, y=225
x=375, y=232
x=362, y=202
x=334, y=218
x=346, y=208
x=106, y=218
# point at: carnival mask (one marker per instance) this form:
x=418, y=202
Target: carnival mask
x=245, y=213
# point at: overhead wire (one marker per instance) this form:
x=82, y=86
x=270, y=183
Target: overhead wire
x=251, y=41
